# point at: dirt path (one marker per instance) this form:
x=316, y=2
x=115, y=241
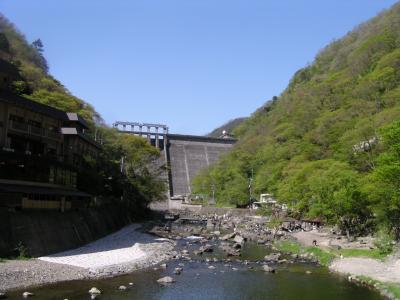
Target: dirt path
x=386, y=271
x=306, y=238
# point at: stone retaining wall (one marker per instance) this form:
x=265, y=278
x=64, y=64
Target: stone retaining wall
x=46, y=232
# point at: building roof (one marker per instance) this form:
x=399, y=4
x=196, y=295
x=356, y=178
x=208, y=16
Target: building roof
x=74, y=131
x=42, y=108
x=33, y=105
x=74, y=117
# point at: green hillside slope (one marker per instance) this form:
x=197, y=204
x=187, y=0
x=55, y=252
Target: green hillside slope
x=35, y=81
x=323, y=145
x=229, y=127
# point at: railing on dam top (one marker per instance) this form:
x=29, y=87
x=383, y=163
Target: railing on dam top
x=153, y=132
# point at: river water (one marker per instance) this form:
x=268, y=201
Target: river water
x=229, y=280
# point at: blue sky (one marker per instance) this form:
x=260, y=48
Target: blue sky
x=191, y=64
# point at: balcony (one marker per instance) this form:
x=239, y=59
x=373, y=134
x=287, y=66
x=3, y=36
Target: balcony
x=53, y=135
x=34, y=130
x=18, y=126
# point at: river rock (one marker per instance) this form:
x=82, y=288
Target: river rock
x=274, y=257
x=3, y=295
x=308, y=272
x=27, y=294
x=122, y=288
x=268, y=269
x=237, y=246
x=206, y=248
x=282, y=261
x=166, y=280
x=238, y=239
x=227, y=236
x=94, y=291
x=163, y=266
x=211, y=267
x=178, y=271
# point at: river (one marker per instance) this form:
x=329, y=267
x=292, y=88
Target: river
x=237, y=279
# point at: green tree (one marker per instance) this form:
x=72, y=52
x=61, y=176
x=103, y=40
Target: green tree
x=383, y=184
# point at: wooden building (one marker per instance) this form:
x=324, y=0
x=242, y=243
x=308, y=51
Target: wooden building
x=41, y=151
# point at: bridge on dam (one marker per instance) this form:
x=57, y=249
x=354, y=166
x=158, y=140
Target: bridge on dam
x=184, y=155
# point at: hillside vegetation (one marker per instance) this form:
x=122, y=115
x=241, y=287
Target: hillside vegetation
x=329, y=145
x=228, y=126
x=28, y=70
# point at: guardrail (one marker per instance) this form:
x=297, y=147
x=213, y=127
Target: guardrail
x=34, y=130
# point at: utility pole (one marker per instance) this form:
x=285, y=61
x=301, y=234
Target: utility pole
x=250, y=186
x=213, y=193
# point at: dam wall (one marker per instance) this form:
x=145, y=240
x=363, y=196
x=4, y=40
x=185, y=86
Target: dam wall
x=188, y=155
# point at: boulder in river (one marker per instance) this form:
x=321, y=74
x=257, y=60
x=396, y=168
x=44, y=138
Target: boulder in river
x=268, y=269
x=237, y=246
x=238, y=239
x=94, y=291
x=227, y=236
x=178, y=271
x=122, y=287
x=3, y=295
x=166, y=280
x=27, y=294
x=274, y=257
x=206, y=248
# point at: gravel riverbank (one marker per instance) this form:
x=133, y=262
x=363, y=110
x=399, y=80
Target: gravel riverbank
x=127, y=250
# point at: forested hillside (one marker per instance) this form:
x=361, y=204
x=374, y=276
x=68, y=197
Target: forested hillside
x=228, y=126
x=329, y=145
x=28, y=70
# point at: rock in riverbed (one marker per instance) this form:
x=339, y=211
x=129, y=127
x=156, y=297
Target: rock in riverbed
x=178, y=271
x=3, y=295
x=227, y=236
x=27, y=294
x=94, y=291
x=166, y=280
x=274, y=257
x=206, y=248
x=268, y=269
x=238, y=239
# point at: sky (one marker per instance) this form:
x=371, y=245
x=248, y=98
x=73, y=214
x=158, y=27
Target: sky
x=189, y=64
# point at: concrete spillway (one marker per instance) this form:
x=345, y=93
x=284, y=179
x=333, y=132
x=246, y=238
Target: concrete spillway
x=187, y=155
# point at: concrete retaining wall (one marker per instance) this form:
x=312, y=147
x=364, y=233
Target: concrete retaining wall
x=44, y=232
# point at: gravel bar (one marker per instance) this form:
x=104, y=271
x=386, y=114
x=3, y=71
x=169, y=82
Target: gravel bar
x=122, y=252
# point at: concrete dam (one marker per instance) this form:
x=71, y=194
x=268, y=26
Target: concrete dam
x=184, y=155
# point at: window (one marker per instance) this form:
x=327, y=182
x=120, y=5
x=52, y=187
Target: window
x=52, y=174
x=16, y=118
